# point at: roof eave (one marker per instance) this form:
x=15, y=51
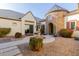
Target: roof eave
x=58, y=11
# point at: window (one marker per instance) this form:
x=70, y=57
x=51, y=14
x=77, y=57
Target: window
x=26, y=26
x=72, y=25
x=29, y=28
x=68, y=25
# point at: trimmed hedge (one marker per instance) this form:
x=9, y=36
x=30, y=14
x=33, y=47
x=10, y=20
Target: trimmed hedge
x=18, y=35
x=36, y=43
x=4, y=31
x=65, y=33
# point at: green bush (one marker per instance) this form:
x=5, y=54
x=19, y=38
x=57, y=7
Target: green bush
x=18, y=35
x=36, y=43
x=65, y=33
x=4, y=31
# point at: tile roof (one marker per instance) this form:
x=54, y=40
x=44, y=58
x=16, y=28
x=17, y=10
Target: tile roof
x=10, y=14
x=13, y=15
x=56, y=8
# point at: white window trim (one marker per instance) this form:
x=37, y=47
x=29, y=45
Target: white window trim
x=70, y=25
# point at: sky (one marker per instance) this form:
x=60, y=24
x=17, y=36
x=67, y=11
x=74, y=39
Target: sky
x=38, y=9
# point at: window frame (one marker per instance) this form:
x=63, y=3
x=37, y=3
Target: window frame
x=71, y=25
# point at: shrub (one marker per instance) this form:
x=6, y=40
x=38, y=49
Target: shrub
x=35, y=43
x=18, y=35
x=4, y=31
x=65, y=33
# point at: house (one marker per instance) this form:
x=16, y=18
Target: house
x=72, y=20
x=54, y=20
x=18, y=22
x=58, y=18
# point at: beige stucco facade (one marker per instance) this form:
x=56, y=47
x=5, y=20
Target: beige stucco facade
x=28, y=20
x=18, y=25
x=72, y=17
x=14, y=25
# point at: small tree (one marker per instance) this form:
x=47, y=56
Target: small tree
x=36, y=43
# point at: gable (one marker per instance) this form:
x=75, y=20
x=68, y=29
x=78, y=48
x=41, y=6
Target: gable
x=29, y=17
x=56, y=8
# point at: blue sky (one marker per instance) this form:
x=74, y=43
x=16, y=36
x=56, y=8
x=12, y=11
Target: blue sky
x=38, y=9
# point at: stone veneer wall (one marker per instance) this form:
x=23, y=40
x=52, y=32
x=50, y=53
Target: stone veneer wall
x=59, y=19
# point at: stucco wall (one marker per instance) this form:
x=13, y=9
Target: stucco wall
x=14, y=25
x=29, y=20
x=18, y=26
x=71, y=18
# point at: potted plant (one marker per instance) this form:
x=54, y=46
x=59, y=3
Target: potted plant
x=36, y=43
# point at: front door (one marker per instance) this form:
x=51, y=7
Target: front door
x=50, y=28
x=31, y=29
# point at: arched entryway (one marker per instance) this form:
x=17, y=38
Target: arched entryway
x=51, y=28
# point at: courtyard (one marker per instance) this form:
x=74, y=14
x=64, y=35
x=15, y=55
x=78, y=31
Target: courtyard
x=53, y=46
x=59, y=47
x=52, y=35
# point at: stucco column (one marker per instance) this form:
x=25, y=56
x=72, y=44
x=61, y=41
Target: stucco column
x=23, y=28
x=47, y=27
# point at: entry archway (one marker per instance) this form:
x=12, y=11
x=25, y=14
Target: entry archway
x=51, y=28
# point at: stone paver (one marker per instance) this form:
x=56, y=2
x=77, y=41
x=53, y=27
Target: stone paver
x=59, y=47
x=4, y=47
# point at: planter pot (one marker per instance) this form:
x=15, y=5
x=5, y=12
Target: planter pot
x=36, y=43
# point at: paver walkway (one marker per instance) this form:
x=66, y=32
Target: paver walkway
x=59, y=47
x=4, y=47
